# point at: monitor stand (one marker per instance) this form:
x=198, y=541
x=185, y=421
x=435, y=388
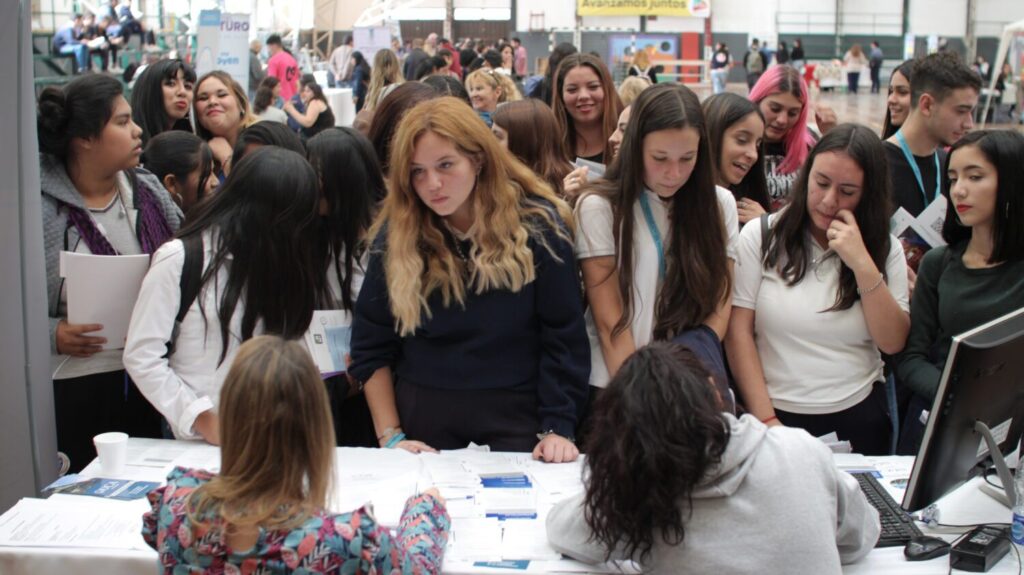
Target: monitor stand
x=1007, y=496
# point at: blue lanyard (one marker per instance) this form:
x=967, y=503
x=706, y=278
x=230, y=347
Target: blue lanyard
x=917, y=170
x=655, y=234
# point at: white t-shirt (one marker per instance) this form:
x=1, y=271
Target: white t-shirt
x=814, y=361
x=594, y=238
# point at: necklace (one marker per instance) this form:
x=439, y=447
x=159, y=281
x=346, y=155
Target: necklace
x=458, y=248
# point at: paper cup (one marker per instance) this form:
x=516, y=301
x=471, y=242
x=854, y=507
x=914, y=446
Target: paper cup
x=112, y=449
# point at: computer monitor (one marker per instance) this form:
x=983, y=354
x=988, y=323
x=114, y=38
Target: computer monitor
x=982, y=386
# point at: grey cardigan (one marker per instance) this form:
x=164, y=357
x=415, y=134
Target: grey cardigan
x=57, y=187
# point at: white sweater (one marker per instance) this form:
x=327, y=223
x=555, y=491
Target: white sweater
x=776, y=504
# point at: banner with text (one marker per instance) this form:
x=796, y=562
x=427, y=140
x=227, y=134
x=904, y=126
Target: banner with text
x=692, y=8
x=224, y=45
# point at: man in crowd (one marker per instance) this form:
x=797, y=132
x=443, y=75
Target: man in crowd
x=282, y=65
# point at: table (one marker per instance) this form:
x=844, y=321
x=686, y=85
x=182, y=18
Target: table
x=340, y=101
x=394, y=474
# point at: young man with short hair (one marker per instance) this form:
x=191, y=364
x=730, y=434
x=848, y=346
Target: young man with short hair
x=282, y=65
x=943, y=94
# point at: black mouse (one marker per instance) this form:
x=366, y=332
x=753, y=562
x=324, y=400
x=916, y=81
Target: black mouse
x=924, y=548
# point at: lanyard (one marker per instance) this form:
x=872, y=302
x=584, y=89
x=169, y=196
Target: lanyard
x=655, y=234
x=917, y=170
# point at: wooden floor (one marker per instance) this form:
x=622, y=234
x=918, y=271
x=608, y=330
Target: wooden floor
x=863, y=108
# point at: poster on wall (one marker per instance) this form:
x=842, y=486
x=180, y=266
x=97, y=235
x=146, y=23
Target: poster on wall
x=223, y=44
x=659, y=47
x=371, y=39
x=691, y=8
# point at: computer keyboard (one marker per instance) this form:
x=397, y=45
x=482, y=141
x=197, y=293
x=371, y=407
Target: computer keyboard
x=897, y=526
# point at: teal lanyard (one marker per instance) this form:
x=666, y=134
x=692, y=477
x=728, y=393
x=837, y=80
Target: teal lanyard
x=655, y=234
x=917, y=170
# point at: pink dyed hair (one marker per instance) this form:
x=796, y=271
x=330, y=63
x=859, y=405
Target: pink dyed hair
x=798, y=141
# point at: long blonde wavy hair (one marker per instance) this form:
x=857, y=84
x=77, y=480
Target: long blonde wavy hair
x=386, y=70
x=277, y=440
x=510, y=205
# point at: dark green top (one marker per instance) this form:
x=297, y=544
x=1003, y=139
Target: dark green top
x=950, y=299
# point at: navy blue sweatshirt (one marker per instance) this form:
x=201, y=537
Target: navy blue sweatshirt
x=533, y=339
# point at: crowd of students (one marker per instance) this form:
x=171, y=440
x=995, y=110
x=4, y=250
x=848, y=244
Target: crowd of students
x=502, y=296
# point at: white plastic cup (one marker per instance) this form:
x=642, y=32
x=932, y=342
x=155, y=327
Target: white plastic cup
x=112, y=449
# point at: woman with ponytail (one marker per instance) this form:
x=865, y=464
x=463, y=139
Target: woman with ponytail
x=95, y=200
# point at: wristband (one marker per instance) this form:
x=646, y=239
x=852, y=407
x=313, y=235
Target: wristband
x=769, y=419
x=881, y=278
x=395, y=440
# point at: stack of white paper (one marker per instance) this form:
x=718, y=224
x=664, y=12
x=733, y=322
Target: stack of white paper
x=474, y=539
x=65, y=523
x=103, y=290
x=526, y=539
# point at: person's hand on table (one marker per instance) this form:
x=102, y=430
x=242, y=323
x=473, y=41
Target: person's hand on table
x=71, y=339
x=433, y=492
x=413, y=446
x=556, y=449
x=208, y=426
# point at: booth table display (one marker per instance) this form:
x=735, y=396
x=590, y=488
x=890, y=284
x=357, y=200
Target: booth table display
x=496, y=519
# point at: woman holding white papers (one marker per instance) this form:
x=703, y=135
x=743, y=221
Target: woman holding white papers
x=95, y=200
x=258, y=272
x=818, y=294
x=469, y=326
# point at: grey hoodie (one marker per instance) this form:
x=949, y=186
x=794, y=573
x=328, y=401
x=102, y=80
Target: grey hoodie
x=776, y=504
x=57, y=186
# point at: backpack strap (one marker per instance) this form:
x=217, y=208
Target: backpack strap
x=191, y=281
x=765, y=233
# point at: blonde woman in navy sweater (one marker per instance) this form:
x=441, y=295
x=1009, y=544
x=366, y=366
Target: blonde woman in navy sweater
x=469, y=325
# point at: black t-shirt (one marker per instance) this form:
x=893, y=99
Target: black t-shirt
x=906, y=193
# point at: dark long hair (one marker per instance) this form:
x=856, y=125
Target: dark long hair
x=351, y=183
x=389, y=113
x=180, y=153
x=81, y=109
x=148, y=97
x=658, y=429
x=1004, y=149
x=697, y=275
x=787, y=241
x=531, y=126
x=720, y=112
x=907, y=70
x=447, y=86
x=267, y=134
x=265, y=227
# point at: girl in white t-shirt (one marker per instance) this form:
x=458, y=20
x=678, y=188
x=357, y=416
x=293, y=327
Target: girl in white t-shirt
x=813, y=307
x=655, y=237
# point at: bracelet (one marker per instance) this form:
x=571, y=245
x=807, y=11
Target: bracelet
x=769, y=419
x=881, y=279
x=395, y=440
x=389, y=432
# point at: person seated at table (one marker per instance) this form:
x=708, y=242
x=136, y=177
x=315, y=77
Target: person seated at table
x=469, y=325
x=317, y=114
x=681, y=487
x=252, y=251
x=818, y=294
x=264, y=104
x=265, y=511
x=979, y=275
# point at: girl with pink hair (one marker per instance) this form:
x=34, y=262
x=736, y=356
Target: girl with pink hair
x=781, y=95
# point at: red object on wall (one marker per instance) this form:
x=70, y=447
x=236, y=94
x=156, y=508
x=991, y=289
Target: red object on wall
x=689, y=43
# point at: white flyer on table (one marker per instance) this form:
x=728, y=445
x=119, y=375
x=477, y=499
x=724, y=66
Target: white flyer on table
x=103, y=290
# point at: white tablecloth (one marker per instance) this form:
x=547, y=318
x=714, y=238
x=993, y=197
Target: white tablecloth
x=966, y=505
x=340, y=100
